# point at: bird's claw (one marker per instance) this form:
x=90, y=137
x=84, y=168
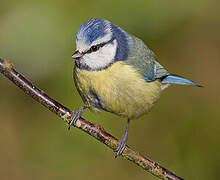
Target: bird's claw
x=122, y=142
x=76, y=114
x=120, y=148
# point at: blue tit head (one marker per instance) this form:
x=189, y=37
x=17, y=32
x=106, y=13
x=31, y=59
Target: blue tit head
x=99, y=43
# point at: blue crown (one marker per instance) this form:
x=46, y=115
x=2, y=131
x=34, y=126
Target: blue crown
x=92, y=29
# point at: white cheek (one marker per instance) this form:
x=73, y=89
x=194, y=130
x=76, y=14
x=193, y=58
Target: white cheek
x=101, y=58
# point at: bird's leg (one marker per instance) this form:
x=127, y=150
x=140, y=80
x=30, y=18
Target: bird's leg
x=122, y=141
x=76, y=115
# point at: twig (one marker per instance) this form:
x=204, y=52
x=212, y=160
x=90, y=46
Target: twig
x=6, y=68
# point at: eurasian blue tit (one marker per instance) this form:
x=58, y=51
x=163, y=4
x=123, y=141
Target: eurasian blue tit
x=116, y=72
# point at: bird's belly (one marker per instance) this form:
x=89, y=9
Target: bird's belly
x=118, y=89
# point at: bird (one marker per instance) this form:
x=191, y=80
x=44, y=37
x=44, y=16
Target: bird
x=115, y=71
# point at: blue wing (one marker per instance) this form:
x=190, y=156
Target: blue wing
x=158, y=72
x=143, y=59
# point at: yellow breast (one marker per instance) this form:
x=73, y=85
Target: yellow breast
x=120, y=89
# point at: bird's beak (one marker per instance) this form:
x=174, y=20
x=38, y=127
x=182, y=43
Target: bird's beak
x=77, y=54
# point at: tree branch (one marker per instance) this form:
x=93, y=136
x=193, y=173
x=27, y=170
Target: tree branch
x=6, y=68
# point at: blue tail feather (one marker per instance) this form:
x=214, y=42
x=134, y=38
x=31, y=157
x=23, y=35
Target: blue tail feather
x=175, y=79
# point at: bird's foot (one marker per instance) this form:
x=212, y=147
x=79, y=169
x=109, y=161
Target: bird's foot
x=121, y=145
x=76, y=114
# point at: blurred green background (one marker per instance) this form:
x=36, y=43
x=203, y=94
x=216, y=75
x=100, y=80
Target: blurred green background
x=183, y=130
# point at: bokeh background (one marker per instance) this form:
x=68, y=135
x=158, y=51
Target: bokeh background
x=183, y=130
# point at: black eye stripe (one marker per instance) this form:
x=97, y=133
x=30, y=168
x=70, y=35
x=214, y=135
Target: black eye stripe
x=98, y=46
x=95, y=48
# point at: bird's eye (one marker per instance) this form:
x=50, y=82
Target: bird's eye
x=94, y=48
